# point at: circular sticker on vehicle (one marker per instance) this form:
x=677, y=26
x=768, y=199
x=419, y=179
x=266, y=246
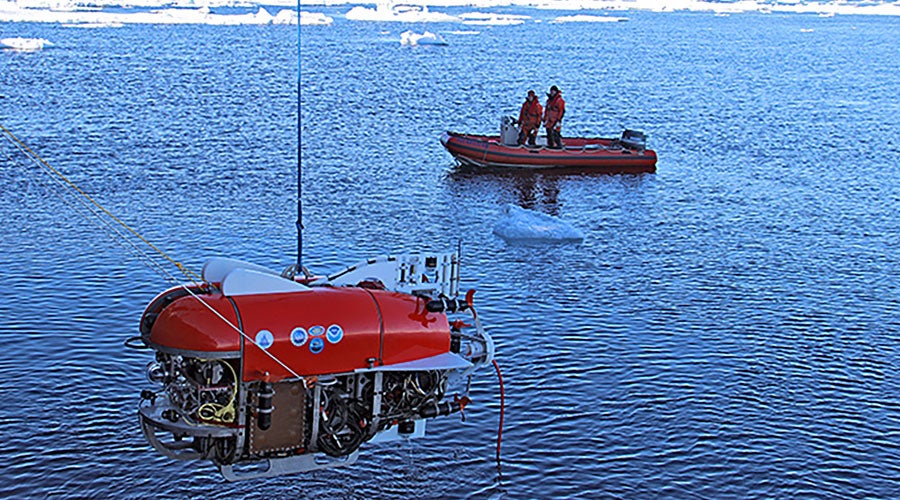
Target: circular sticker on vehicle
x=265, y=339
x=316, y=345
x=334, y=334
x=299, y=337
x=316, y=331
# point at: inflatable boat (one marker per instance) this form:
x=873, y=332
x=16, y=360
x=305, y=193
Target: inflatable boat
x=626, y=154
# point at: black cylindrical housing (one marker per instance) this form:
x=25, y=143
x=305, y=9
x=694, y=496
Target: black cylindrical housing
x=264, y=406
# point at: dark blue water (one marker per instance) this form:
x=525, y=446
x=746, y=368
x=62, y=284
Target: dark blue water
x=727, y=329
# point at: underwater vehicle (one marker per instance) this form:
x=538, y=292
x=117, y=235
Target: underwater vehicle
x=267, y=374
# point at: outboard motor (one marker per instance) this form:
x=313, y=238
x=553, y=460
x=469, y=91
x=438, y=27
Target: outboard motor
x=634, y=139
x=509, y=133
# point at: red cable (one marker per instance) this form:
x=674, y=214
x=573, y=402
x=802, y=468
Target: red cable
x=502, y=406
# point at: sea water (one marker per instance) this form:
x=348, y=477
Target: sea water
x=727, y=328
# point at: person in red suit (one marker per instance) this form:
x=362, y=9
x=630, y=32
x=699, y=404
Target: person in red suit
x=553, y=115
x=530, y=119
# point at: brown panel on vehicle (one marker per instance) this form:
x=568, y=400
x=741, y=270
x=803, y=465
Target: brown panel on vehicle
x=286, y=431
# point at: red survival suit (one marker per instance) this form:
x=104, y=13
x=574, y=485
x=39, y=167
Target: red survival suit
x=530, y=119
x=556, y=109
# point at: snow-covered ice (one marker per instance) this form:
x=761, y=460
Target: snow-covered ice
x=520, y=225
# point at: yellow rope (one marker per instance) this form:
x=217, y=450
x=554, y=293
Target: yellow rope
x=187, y=272
x=221, y=413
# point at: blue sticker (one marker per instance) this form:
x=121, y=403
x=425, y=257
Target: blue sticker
x=316, y=345
x=264, y=339
x=299, y=337
x=316, y=331
x=334, y=334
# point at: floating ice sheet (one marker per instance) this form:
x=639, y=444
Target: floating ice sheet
x=404, y=13
x=486, y=19
x=519, y=225
x=583, y=18
x=91, y=14
x=84, y=17
x=314, y=19
x=24, y=44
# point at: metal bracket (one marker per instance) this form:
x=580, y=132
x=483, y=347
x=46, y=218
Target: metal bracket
x=273, y=467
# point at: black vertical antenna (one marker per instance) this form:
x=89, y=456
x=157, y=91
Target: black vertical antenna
x=299, y=162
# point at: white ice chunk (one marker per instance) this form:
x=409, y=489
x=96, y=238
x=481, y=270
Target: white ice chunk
x=24, y=44
x=521, y=225
x=411, y=38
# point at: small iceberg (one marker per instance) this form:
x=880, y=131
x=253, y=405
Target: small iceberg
x=24, y=44
x=410, y=38
x=520, y=225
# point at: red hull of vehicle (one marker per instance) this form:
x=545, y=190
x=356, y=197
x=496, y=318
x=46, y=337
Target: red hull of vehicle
x=579, y=154
x=377, y=328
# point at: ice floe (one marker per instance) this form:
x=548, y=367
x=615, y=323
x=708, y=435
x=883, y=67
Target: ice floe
x=101, y=13
x=583, y=18
x=520, y=225
x=388, y=12
x=485, y=19
x=24, y=44
x=92, y=17
x=411, y=38
x=875, y=8
x=92, y=25
x=889, y=8
x=314, y=19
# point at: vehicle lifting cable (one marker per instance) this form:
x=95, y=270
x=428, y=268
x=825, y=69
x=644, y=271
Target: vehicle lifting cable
x=41, y=162
x=64, y=181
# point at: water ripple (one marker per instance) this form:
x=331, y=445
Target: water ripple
x=727, y=328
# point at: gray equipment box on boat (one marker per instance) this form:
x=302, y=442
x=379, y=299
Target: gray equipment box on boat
x=509, y=134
